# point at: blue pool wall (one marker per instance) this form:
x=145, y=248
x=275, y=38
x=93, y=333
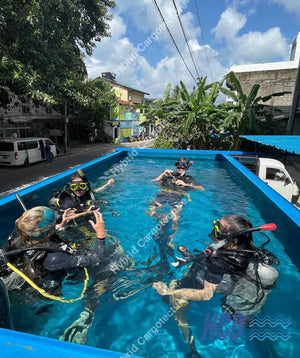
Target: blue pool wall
x=18, y=344
x=285, y=215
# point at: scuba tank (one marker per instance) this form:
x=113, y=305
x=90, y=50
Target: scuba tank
x=251, y=290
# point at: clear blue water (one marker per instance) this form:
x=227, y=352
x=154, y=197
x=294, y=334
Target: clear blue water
x=125, y=325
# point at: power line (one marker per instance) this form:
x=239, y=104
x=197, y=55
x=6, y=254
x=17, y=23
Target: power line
x=161, y=15
x=186, y=39
x=203, y=40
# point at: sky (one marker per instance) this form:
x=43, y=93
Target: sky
x=218, y=34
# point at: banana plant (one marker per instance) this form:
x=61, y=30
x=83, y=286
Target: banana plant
x=243, y=114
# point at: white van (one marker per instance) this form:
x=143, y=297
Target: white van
x=24, y=151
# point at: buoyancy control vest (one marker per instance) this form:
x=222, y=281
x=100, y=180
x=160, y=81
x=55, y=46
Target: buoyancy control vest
x=169, y=181
x=29, y=259
x=65, y=199
x=251, y=290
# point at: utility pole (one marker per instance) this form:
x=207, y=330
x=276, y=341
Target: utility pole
x=66, y=127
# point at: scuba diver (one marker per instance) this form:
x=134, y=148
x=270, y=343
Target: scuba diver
x=232, y=265
x=77, y=195
x=174, y=185
x=36, y=250
x=35, y=254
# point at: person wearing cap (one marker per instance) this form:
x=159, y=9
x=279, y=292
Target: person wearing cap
x=175, y=185
x=232, y=265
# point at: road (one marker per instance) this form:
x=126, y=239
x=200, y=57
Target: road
x=15, y=178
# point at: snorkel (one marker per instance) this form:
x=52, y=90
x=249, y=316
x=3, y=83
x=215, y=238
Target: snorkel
x=220, y=233
x=225, y=238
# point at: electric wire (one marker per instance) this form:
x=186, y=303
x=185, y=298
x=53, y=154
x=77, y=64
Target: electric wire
x=186, y=40
x=161, y=15
x=202, y=37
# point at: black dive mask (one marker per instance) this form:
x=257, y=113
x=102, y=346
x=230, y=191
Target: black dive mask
x=218, y=232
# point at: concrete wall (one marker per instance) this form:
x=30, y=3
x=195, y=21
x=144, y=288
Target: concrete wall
x=271, y=81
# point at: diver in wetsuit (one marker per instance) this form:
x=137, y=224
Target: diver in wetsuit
x=174, y=185
x=77, y=195
x=36, y=250
x=232, y=265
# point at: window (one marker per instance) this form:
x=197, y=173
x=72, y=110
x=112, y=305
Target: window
x=275, y=174
x=6, y=147
x=48, y=141
x=21, y=146
x=31, y=145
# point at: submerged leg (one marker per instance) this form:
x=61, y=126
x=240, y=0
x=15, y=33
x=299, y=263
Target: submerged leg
x=180, y=306
x=175, y=214
x=77, y=332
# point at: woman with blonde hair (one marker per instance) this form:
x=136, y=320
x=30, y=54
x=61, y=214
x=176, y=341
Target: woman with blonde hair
x=36, y=249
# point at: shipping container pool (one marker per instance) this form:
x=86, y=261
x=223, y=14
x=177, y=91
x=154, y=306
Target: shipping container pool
x=131, y=318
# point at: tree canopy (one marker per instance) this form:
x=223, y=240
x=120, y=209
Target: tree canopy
x=42, y=43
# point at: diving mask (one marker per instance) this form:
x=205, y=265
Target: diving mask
x=76, y=186
x=182, y=165
x=218, y=232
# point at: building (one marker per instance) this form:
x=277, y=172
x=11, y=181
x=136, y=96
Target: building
x=125, y=119
x=23, y=118
x=276, y=77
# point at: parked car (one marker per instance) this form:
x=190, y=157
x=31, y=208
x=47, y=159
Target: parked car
x=24, y=151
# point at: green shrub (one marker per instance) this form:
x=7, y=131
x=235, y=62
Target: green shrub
x=163, y=143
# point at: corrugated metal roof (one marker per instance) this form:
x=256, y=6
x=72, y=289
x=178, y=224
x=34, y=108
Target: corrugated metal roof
x=290, y=143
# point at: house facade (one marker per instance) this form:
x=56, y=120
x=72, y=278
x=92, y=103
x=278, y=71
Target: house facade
x=125, y=119
x=276, y=77
x=23, y=118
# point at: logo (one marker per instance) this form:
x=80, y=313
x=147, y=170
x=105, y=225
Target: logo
x=269, y=326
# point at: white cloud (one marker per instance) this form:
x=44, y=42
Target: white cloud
x=252, y=47
x=151, y=68
x=229, y=24
x=117, y=54
x=257, y=47
x=291, y=5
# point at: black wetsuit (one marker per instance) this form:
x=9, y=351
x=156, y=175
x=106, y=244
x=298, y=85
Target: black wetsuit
x=46, y=263
x=66, y=199
x=171, y=192
x=213, y=269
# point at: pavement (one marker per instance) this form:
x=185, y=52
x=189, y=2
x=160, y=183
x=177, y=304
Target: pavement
x=16, y=178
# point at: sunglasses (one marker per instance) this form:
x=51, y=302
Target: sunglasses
x=78, y=186
x=218, y=232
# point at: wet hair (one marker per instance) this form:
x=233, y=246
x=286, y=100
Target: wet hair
x=78, y=176
x=237, y=223
x=35, y=222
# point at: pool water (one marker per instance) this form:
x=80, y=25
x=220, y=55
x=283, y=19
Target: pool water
x=139, y=324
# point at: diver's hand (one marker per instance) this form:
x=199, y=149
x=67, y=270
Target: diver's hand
x=181, y=183
x=99, y=225
x=68, y=215
x=110, y=181
x=162, y=288
x=166, y=172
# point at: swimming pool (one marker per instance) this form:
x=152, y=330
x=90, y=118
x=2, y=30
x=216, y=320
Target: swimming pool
x=140, y=324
